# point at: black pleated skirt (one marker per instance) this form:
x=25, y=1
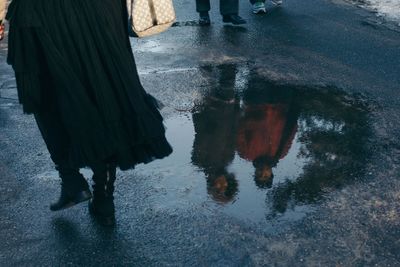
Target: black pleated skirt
x=79, y=51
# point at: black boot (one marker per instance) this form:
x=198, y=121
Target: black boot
x=74, y=189
x=102, y=205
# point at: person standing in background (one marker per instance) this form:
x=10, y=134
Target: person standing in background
x=3, y=5
x=229, y=10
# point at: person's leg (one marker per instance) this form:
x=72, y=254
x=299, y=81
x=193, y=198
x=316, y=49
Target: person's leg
x=74, y=186
x=102, y=204
x=229, y=7
x=202, y=7
x=229, y=10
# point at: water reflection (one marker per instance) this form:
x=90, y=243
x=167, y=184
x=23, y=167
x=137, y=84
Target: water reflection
x=215, y=123
x=260, y=149
x=267, y=127
x=333, y=132
x=260, y=123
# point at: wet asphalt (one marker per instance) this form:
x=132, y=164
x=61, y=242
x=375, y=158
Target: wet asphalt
x=286, y=151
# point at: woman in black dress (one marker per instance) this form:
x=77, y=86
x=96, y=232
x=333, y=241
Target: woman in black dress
x=76, y=73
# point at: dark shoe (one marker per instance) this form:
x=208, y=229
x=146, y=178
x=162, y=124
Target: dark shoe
x=74, y=188
x=204, y=19
x=259, y=8
x=68, y=200
x=103, y=209
x=234, y=19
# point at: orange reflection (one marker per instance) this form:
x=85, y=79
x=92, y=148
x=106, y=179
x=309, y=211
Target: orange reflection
x=265, y=135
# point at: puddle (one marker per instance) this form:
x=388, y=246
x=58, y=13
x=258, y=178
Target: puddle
x=186, y=23
x=148, y=45
x=261, y=151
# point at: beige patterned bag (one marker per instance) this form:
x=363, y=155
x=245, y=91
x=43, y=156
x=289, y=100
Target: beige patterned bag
x=149, y=17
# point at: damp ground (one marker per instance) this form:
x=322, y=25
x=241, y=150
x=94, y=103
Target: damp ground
x=286, y=151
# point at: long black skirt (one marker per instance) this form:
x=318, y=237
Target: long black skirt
x=79, y=51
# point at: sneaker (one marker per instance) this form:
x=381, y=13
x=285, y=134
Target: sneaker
x=234, y=19
x=277, y=2
x=259, y=8
x=204, y=19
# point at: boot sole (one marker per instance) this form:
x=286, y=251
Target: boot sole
x=234, y=22
x=79, y=198
x=260, y=11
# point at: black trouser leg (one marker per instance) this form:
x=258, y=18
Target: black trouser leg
x=229, y=7
x=203, y=5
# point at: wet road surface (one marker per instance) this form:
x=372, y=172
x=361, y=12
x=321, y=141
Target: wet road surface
x=286, y=152
x=264, y=152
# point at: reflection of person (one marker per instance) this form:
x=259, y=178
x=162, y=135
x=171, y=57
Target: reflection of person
x=214, y=145
x=266, y=131
x=221, y=185
x=76, y=73
x=229, y=10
